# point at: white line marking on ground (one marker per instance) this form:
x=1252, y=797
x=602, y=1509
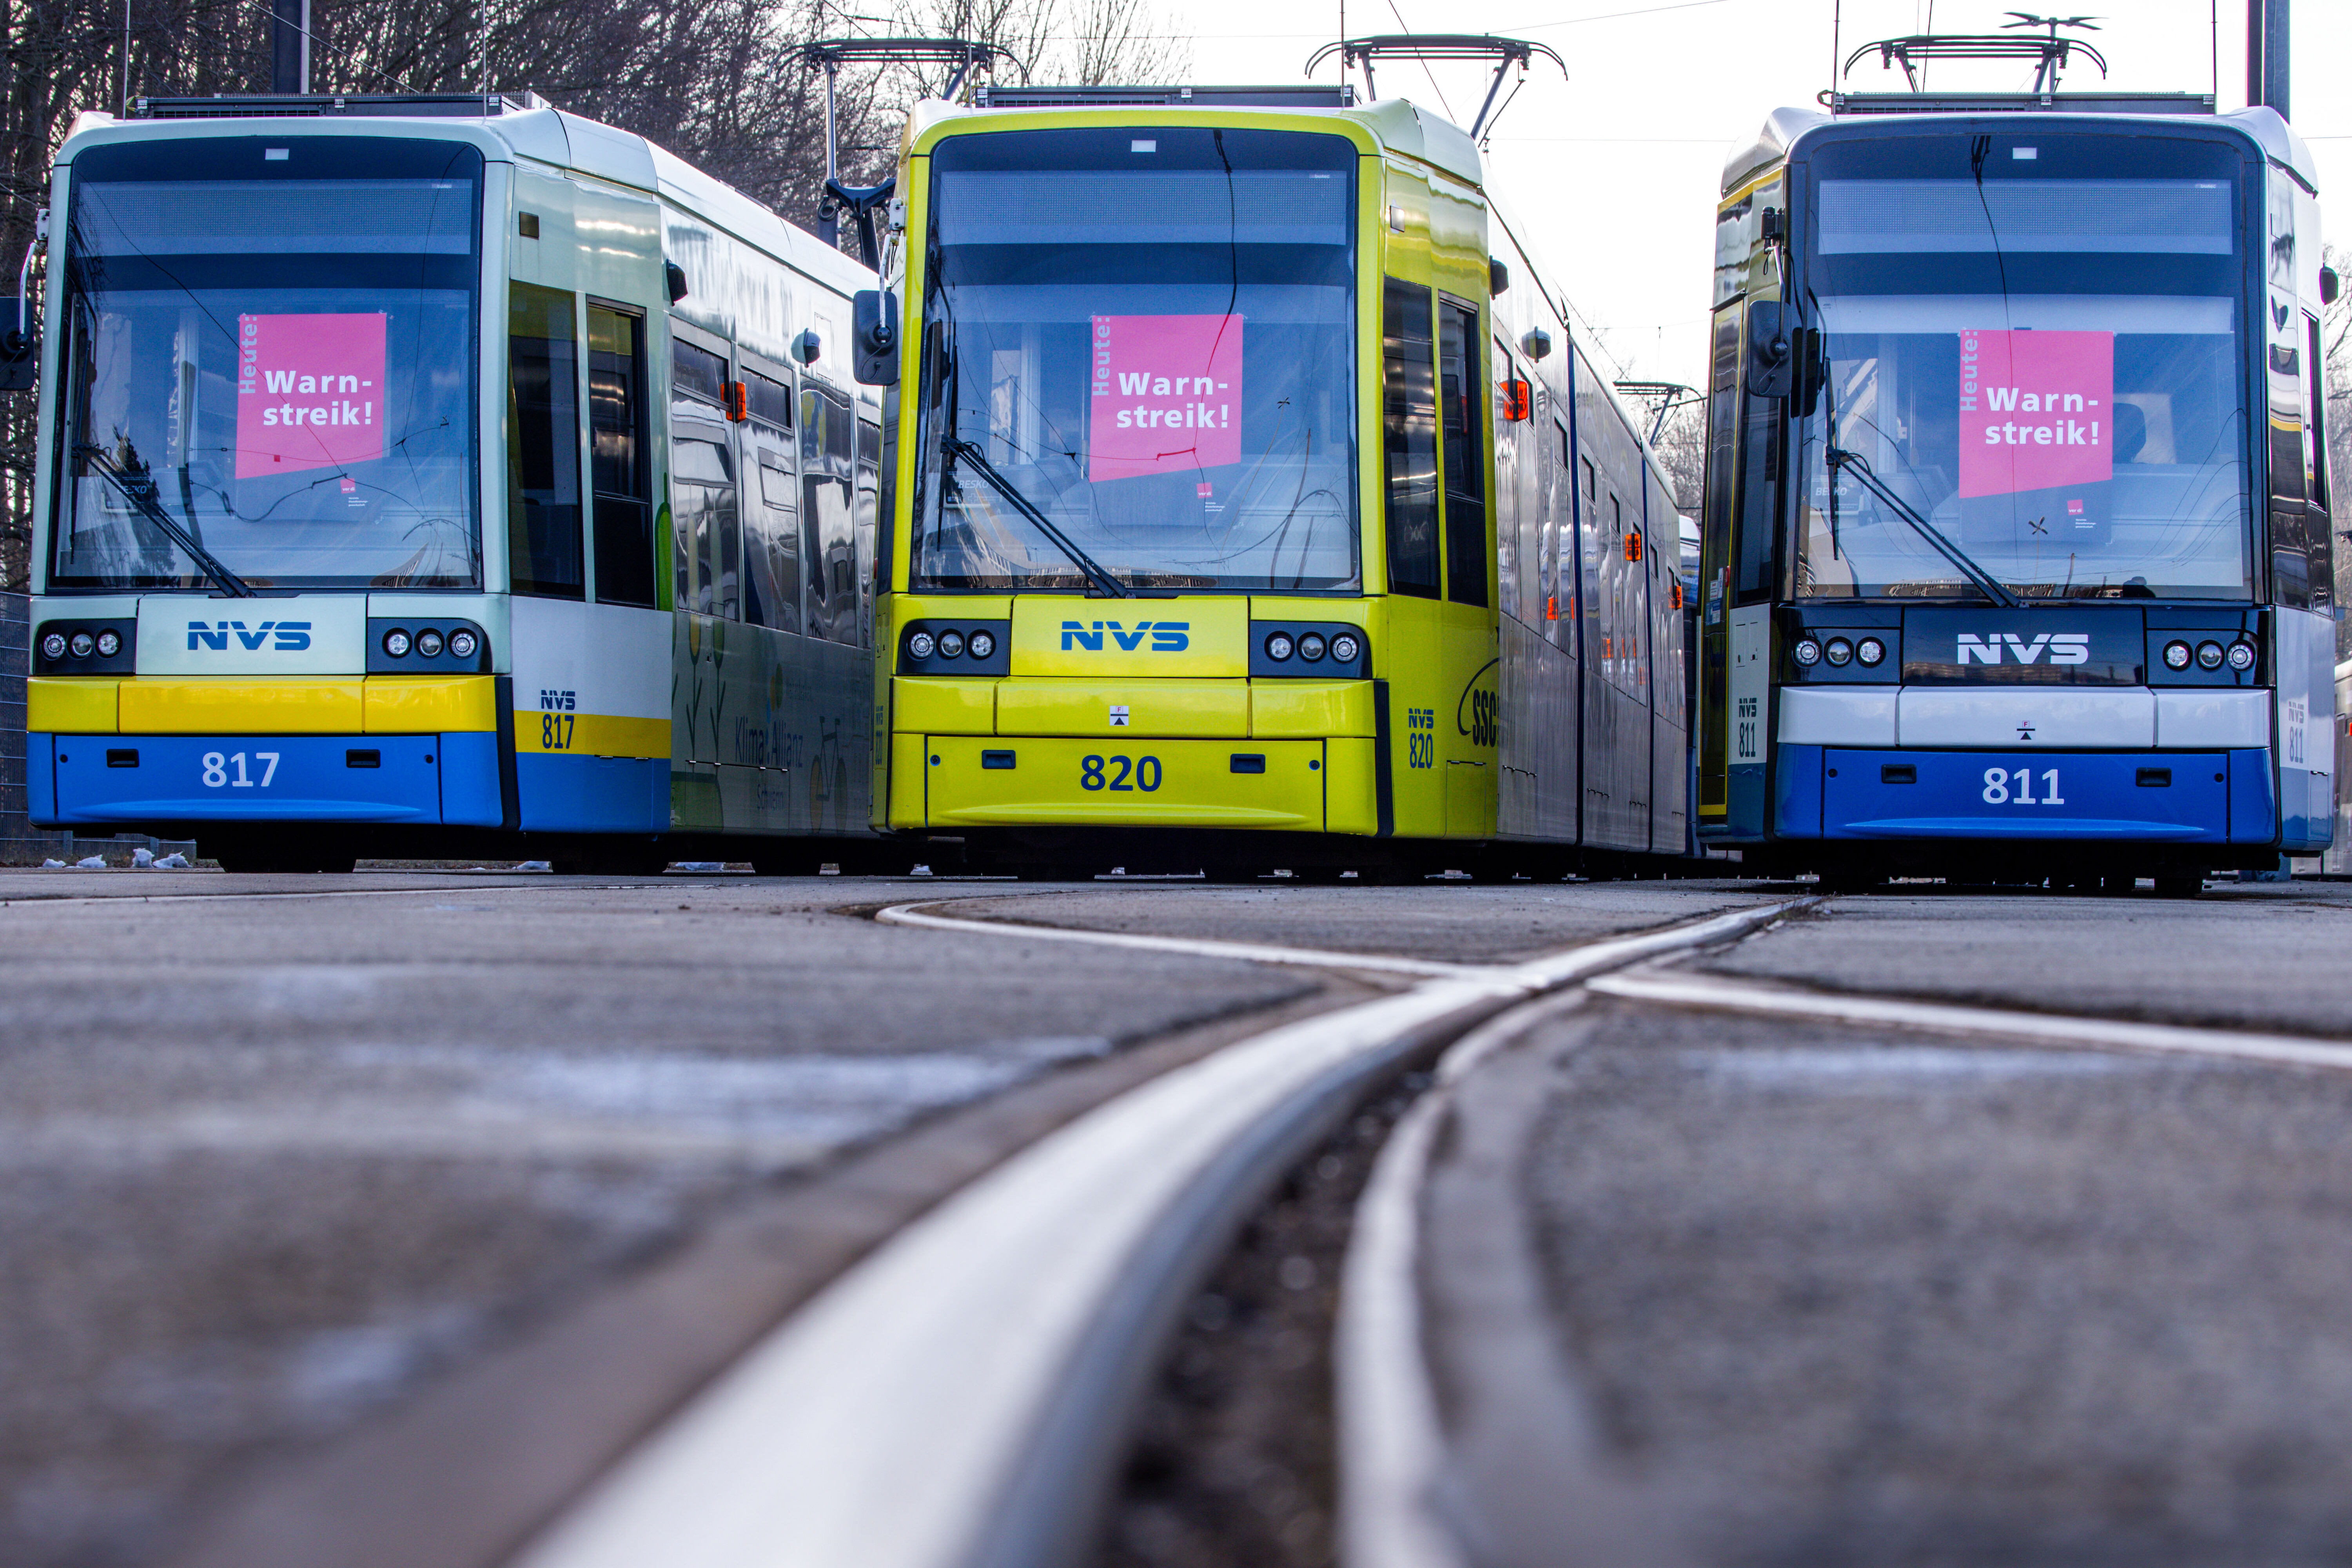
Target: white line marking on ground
x=1392, y=1442
x=1731, y=995
x=879, y=1425
x=1196, y=947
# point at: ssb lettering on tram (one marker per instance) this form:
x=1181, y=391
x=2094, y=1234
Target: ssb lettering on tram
x=2063, y=648
x=1167, y=637
x=282, y=637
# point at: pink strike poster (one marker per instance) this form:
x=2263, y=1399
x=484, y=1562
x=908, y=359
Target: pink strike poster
x=310, y=391
x=1167, y=394
x=2037, y=411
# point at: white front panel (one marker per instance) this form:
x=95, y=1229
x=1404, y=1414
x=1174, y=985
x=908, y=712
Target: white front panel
x=613, y=661
x=2306, y=692
x=2012, y=717
x=305, y=633
x=2213, y=721
x=1837, y=715
x=1751, y=646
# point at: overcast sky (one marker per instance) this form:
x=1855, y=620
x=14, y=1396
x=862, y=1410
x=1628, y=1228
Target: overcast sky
x=1615, y=170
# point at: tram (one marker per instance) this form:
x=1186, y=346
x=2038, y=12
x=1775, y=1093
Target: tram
x=1253, y=505
x=433, y=475
x=2016, y=550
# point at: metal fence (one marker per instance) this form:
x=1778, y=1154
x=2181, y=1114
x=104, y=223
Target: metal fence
x=22, y=844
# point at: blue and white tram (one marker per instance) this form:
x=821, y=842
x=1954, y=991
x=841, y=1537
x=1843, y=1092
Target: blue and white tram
x=445, y=475
x=2016, y=551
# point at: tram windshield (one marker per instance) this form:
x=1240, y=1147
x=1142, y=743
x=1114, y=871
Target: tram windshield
x=1138, y=362
x=270, y=358
x=2034, y=352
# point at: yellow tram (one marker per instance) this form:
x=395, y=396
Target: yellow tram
x=1250, y=504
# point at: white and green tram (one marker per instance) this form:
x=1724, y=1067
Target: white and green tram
x=445, y=475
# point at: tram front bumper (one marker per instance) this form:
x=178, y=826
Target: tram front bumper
x=102, y=779
x=1014, y=780
x=2154, y=797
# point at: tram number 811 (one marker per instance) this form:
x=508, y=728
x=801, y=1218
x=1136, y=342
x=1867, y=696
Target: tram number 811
x=1996, y=791
x=1132, y=773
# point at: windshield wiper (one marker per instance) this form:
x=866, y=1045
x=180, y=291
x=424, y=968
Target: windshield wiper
x=1839, y=457
x=139, y=490
x=1105, y=584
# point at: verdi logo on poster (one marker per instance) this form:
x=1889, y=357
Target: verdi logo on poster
x=2037, y=412
x=1166, y=394
x=310, y=391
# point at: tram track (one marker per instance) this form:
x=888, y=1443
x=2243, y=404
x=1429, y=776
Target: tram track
x=995, y=1346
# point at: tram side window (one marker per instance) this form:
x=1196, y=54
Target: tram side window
x=1760, y=510
x=616, y=458
x=1409, y=404
x=828, y=515
x=702, y=484
x=771, y=545
x=543, y=444
x=1467, y=552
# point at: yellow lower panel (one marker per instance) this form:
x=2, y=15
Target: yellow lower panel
x=1352, y=791
x=198, y=707
x=1124, y=783
x=430, y=704
x=1104, y=708
x=591, y=734
x=1312, y=707
x=909, y=760
x=82, y=705
x=937, y=705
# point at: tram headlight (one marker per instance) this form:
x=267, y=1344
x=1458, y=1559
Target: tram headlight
x=1808, y=652
x=463, y=642
x=395, y=643
x=82, y=645
x=1871, y=651
x=2176, y=656
x=1311, y=647
x=2209, y=655
x=54, y=645
x=110, y=643
x=1345, y=648
x=428, y=643
x=2241, y=655
x=1278, y=647
x=950, y=645
x=921, y=645
x=1839, y=652
x=982, y=644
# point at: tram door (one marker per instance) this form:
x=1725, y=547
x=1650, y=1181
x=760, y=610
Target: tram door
x=1467, y=727
x=706, y=535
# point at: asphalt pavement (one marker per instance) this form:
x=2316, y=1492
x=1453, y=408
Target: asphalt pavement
x=339, y=1208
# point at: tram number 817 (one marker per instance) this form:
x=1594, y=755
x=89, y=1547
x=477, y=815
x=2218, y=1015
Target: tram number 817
x=1132, y=773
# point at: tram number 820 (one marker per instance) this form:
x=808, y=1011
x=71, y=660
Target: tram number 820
x=1132, y=773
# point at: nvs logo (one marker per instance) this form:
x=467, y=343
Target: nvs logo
x=1167, y=637
x=292, y=637
x=2063, y=648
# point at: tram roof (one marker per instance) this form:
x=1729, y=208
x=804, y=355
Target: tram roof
x=505, y=128
x=1783, y=127
x=1392, y=124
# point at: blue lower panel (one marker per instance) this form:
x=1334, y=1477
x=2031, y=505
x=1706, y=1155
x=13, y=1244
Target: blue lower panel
x=470, y=796
x=2254, y=798
x=592, y=795
x=1797, y=793
x=244, y=778
x=2167, y=797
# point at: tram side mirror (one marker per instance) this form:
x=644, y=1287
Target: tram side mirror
x=20, y=349
x=2330, y=286
x=1811, y=371
x=1771, y=358
x=874, y=337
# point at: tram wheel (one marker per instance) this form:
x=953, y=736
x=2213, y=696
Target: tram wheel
x=2180, y=887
